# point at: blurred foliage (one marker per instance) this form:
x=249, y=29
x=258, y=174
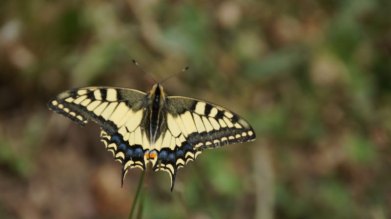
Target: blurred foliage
x=312, y=77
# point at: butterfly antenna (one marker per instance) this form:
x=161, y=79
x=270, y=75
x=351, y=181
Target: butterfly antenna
x=175, y=74
x=142, y=70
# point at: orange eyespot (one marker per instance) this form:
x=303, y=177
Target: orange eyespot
x=150, y=155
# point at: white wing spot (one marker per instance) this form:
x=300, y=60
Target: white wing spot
x=200, y=108
x=238, y=126
x=213, y=112
x=180, y=162
x=120, y=155
x=81, y=92
x=189, y=154
x=197, y=153
x=111, y=95
x=79, y=117
x=128, y=164
x=98, y=94
x=199, y=145
x=228, y=114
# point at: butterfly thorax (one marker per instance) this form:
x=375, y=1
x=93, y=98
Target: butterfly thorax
x=156, y=100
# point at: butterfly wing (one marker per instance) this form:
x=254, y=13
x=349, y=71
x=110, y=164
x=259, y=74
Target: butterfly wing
x=192, y=126
x=120, y=113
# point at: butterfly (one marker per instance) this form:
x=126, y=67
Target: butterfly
x=153, y=128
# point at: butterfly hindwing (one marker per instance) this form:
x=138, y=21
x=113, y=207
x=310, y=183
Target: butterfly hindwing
x=173, y=152
x=192, y=126
x=128, y=149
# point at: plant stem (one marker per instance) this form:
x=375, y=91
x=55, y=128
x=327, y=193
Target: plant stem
x=141, y=206
x=136, y=197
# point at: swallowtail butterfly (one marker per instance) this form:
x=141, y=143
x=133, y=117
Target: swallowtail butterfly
x=141, y=128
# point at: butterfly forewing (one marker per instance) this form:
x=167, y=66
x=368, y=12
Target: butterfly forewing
x=98, y=104
x=205, y=124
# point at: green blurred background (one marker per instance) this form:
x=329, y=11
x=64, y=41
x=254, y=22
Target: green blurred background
x=312, y=77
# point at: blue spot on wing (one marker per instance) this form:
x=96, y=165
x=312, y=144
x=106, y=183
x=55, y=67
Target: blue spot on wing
x=187, y=147
x=122, y=147
x=116, y=139
x=179, y=153
x=171, y=157
x=129, y=154
x=163, y=155
x=138, y=152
